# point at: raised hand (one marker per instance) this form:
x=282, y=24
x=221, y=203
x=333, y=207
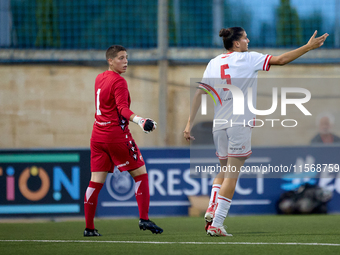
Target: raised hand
x=316, y=42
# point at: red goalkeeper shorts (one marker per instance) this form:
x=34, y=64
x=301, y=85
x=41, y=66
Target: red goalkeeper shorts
x=125, y=156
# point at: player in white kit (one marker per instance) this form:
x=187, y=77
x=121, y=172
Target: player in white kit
x=232, y=134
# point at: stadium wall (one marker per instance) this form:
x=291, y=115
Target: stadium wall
x=52, y=105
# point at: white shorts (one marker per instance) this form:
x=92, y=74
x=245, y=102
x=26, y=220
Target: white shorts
x=233, y=142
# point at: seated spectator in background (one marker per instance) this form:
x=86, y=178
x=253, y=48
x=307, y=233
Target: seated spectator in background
x=325, y=123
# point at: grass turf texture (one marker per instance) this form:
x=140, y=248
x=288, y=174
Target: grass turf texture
x=249, y=229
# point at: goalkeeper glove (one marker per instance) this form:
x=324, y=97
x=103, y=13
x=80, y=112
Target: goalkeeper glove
x=147, y=125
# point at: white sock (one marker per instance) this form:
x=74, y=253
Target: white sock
x=214, y=193
x=223, y=205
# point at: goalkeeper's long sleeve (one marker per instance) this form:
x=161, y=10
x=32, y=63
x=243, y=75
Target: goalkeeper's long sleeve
x=121, y=95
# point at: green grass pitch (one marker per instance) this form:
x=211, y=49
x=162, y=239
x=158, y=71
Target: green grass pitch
x=315, y=234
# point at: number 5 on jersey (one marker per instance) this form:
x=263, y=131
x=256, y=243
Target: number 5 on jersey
x=225, y=76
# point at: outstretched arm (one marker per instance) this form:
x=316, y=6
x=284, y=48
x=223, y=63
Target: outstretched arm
x=196, y=103
x=287, y=57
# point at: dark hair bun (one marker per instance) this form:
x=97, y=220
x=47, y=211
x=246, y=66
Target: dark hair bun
x=224, y=32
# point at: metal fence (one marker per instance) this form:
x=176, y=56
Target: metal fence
x=87, y=24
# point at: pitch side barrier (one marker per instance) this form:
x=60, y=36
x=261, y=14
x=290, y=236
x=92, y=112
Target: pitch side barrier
x=36, y=183
x=172, y=179
x=43, y=182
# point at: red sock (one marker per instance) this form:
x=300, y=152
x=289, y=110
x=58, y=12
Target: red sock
x=142, y=194
x=90, y=202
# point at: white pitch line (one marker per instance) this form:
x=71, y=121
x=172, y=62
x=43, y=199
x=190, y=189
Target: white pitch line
x=147, y=242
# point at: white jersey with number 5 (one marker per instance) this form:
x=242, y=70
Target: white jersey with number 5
x=239, y=69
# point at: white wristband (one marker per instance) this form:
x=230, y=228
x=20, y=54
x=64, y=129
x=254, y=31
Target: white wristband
x=136, y=119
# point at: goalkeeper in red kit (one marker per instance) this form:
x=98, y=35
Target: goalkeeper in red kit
x=112, y=143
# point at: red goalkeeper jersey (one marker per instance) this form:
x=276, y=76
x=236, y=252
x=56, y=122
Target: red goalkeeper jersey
x=112, y=101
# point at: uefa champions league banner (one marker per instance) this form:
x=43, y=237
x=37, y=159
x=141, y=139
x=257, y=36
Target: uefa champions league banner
x=171, y=181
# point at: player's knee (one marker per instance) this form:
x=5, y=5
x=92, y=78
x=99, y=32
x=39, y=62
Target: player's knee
x=99, y=177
